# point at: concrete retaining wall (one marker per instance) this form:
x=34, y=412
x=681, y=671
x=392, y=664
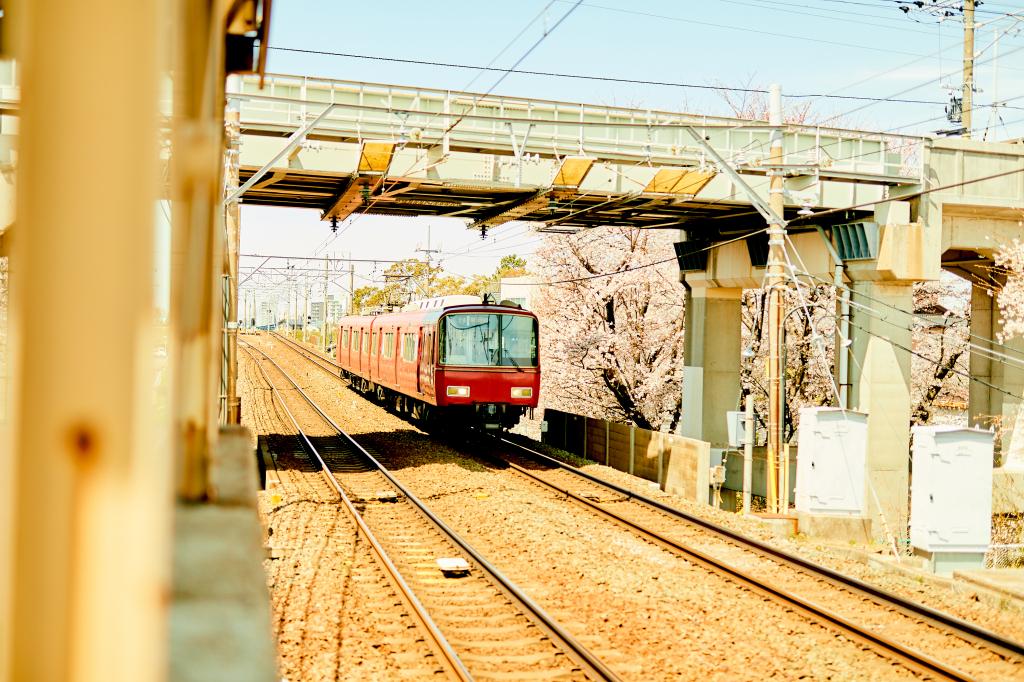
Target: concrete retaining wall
x=678, y=465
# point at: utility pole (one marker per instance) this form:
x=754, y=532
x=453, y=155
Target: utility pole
x=775, y=280
x=959, y=110
x=323, y=316
x=351, y=286
x=968, y=94
x=305, y=306
x=428, y=251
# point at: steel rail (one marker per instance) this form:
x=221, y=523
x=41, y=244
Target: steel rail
x=962, y=628
x=915, y=660
x=311, y=355
x=590, y=664
x=440, y=644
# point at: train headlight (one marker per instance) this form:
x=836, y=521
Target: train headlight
x=458, y=391
x=522, y=392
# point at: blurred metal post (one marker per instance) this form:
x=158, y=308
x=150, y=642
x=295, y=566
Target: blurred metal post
x=197, y=240
x=92, y=492
x=748, y=449
x=233, y=227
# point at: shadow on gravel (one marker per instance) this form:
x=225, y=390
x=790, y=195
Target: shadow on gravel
x=395, y=450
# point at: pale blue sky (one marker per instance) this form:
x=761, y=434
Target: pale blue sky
x=808, y=46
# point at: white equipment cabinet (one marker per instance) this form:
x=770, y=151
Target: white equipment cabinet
x=951, y=492
x=830, y=465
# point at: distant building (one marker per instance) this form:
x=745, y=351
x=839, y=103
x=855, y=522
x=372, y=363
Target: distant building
x=266, y=312
x=522, y=290
x=335, y=310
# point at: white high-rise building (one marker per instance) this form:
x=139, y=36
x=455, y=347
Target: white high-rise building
x=266, y=311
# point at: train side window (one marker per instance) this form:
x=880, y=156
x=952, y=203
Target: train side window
x=388, y=351
x=344, y=338
x=366, y=340
x=408, y=347
x=373, y=343
x=355, y=340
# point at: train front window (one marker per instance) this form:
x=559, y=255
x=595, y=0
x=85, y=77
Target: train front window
x=488, y=340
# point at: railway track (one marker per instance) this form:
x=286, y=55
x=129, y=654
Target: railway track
x=925, y=639
x=316, y=358
x=928, y=641
x=482, y=625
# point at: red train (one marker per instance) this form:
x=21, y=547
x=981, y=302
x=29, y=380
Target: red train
x=446, y=360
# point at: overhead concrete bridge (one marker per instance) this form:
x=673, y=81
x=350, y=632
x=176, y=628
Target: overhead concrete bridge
x=343, y=147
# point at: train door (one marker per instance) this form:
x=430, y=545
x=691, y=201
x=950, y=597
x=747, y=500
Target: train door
x=419, y=361
x=375, y=353
x=425, y=373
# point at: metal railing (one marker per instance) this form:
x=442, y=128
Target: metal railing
x=427, y=117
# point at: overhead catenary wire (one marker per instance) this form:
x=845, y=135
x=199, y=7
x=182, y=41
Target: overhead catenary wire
x=529, y=51
x=835, y=14
x=952, y=370
x=910, y=313
x=634, y=268
x=789, y=36
x=894, y=96
x=793, y=275
x=904, y=197
x=323, y=258
x=801, y=218
x=988, y=353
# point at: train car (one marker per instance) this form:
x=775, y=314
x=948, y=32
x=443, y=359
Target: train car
x=453, y=359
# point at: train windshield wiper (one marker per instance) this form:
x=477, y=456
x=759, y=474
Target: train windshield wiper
x=511, y=359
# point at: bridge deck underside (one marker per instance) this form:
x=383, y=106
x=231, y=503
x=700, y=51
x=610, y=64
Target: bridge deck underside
x=556, y=210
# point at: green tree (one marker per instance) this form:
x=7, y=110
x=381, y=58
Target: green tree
x=406, y=281
x=510, y=265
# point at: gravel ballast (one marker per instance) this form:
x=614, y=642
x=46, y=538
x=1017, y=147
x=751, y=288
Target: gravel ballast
x=649, y=614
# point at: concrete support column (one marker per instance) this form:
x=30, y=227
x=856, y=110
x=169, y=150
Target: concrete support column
x=880, y=386
x=987, y=402
x=984, y=402
x=711, y=379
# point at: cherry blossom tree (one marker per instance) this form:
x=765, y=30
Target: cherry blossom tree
x=612, y=345
x=809, y=345
x=1010, y=263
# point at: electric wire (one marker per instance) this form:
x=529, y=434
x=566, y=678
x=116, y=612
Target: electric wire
x=778, y=7
x=530, y=50
x=913, y=314
x=790, y=36
x=904, y=197
x=952, y=370
x=607, y=79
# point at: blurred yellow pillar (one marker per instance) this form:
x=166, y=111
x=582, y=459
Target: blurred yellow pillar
x=92, y=496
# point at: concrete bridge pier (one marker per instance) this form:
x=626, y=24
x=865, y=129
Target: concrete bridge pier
x=711, y=379
x=880, y=387
x=988, y=402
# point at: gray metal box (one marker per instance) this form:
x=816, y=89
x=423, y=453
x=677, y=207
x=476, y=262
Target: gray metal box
x=951, y=489
x=830, y=464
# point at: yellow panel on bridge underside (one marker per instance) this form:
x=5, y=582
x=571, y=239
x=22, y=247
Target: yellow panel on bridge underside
x=678, y=181
x=572, y=171
x=375, y=157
